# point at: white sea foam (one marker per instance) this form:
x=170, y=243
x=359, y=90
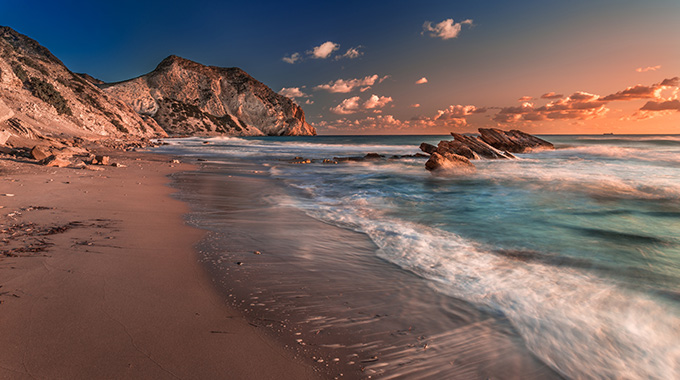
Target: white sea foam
x=581, y=325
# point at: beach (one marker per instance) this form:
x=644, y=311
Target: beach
x=110, y=285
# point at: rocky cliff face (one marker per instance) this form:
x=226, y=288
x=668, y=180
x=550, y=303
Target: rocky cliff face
x=187, y=98
x=39, y=96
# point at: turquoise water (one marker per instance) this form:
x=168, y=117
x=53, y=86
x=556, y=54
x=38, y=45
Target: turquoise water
x=579, y=248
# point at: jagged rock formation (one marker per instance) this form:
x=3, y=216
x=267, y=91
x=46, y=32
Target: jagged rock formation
x=187, y=98
x=40, y=97
x=492, y=144
x=513, y=141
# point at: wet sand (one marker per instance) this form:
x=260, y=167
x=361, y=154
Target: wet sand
x=99, y=279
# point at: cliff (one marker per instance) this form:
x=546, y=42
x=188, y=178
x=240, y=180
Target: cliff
x=39, y=96
x=187, y=98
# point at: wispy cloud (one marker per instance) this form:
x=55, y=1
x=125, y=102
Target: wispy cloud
x=422, y=80
x=446, y=29
x=667, y=105
x=580, y=106
x=293, y=58
x=644, y=92
x=324, y=50
x=648, y=68
x=344, y=86
x=551, y=95
x=452, y=117
x=415, y=105
x=525, y=99
x=351, y=53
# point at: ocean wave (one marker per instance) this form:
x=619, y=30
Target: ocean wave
x=625, y=153
x=581, y=325
x=603, y=180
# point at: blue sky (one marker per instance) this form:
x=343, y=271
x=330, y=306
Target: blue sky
x=506, y=51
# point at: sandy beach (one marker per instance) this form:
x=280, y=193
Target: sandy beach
x=99, y=279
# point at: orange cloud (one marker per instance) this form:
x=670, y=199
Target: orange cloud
x=579, y=105
x=649, y=68
x=551, y=95
x=344, y=86
x=348, y=106
x=525, y=99
x=644, y=92
x=422, y=80
x=662, y=105
x=375, y=102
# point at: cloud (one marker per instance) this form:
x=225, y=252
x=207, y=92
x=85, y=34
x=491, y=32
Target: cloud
x=353, y=105
x=292, y=92
x=457, y=112
x=416, y=105
x=344, y=86
x=580, y=106
x=526, y=98
x=644, y=92
x=309, y=101
x=551, y=95
x=324, y=50
x=422, y=80
x=649, y=68
x=293, y=58
x=375, y=102
x=666, y=105
x=446, y=29
x=348, y=106
x=351, y=53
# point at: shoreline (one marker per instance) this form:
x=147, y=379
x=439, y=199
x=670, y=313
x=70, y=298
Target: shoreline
x=110, y=285
x=322, y=291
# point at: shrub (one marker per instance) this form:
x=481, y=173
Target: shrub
x=20, y=72
x=47, y=93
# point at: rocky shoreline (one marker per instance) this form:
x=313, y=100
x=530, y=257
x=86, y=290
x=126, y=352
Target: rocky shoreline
x=492, y=143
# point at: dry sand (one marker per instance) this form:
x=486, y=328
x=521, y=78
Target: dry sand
x=106, y=284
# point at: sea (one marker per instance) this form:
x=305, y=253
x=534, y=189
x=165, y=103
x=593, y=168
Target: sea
x=561, y=263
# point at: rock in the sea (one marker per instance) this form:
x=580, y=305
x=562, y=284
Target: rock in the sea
x=449, y=162
x=428, y=148
x=456, y=147
x=480, y=147
x=373, y=156
x=513, y=141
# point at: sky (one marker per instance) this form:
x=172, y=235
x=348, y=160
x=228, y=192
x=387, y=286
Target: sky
x=399, y=67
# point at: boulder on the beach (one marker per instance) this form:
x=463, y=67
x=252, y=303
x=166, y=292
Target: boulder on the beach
x=55, y=161
x=449, y=162
x=100, y=160
x=513, y=141
x=40, y=153
x=480, y=147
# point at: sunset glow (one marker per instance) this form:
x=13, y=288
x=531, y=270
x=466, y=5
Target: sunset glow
x=408, y=67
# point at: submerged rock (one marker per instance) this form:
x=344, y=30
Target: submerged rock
x=514, y=141
x=449, y=162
